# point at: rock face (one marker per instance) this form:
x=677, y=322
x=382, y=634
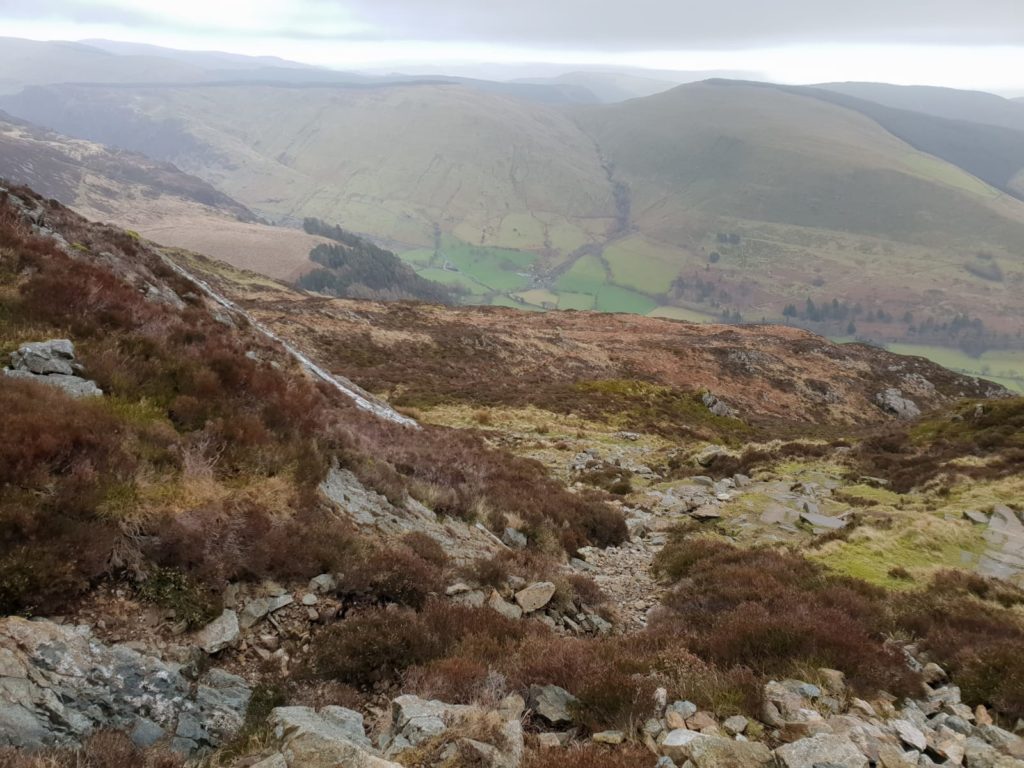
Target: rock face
x=368, y=509
x=892, y=401
x=463, y=734
x=58, y=684
x=52, y=363
x=331, y=737
x=717, y=406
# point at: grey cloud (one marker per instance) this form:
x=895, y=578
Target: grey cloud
x=610, y=24
x=673, y=24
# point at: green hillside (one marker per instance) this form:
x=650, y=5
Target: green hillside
x=710, y=200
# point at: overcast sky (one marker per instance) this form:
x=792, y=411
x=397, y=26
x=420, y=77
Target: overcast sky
x=962, y=43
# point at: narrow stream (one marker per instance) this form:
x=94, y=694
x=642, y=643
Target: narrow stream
x=348, y=389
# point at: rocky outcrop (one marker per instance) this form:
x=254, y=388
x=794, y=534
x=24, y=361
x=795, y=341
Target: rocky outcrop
x=451, y=734
x=370, y=510
x=51, y=363
x=59, y=684
x=552, y=703
x=413, y=732
x=717, y=406
x=332, y=737
x=893, y=402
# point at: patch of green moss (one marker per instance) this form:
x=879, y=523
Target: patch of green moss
x=653, y=408
x=989, y=423
x=878, y=557
x=872, y=494
x=191, y=602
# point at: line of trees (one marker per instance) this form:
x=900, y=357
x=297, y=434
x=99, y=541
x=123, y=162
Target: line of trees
x=355, y=268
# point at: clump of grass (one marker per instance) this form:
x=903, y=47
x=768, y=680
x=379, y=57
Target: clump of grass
x=192, y=603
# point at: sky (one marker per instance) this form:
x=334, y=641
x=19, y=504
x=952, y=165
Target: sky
x=958, y=43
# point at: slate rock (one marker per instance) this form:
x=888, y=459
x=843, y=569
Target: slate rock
x=220, y=633
x=552, y=703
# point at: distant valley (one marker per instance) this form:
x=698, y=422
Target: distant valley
x=856, y=210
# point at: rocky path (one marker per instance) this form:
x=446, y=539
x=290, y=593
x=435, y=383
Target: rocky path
x=624, y=575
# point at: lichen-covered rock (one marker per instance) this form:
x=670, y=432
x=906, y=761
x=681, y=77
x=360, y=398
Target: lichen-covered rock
x=52, y=363
x=220, y=633
x=466, y=735
x=59, y=684
x=45, y=357
x=704, y=751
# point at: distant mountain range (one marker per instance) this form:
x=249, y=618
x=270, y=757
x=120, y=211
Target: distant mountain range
x=895, y=209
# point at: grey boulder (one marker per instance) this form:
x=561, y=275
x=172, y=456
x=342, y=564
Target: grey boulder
x=821, y=749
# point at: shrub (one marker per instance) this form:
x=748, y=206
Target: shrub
x=106, y=749
x=391, y=575
x=240, y=539
x=493, y=571
x=963, y=622
x=776, y=612
x=426, y=547
x=452, y=680
x=59, y=460
x=589, y=756
x=373, y=646
x=377, y=645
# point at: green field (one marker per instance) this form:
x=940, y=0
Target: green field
x=506, y=301
x=932, y=168
x=447, y=277
x=575, y=301
x=612, y=298
x=636, y=263
x=482, y=270
x=587, y=275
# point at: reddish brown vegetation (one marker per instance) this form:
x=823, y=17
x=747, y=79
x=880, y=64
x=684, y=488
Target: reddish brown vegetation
x=377, y=645
x=969, y=625
x=461, y=654
x=779, y=613
x=774, y=612
x=104, y=750
x=910, y=456
x=185, y=403
x=588, y=757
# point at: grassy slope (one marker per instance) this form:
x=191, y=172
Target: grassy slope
x=817, y=191
x=763, y=155
x=828, y=203
x=395, y=161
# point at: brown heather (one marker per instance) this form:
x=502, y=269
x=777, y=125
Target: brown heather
x=200, y=460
